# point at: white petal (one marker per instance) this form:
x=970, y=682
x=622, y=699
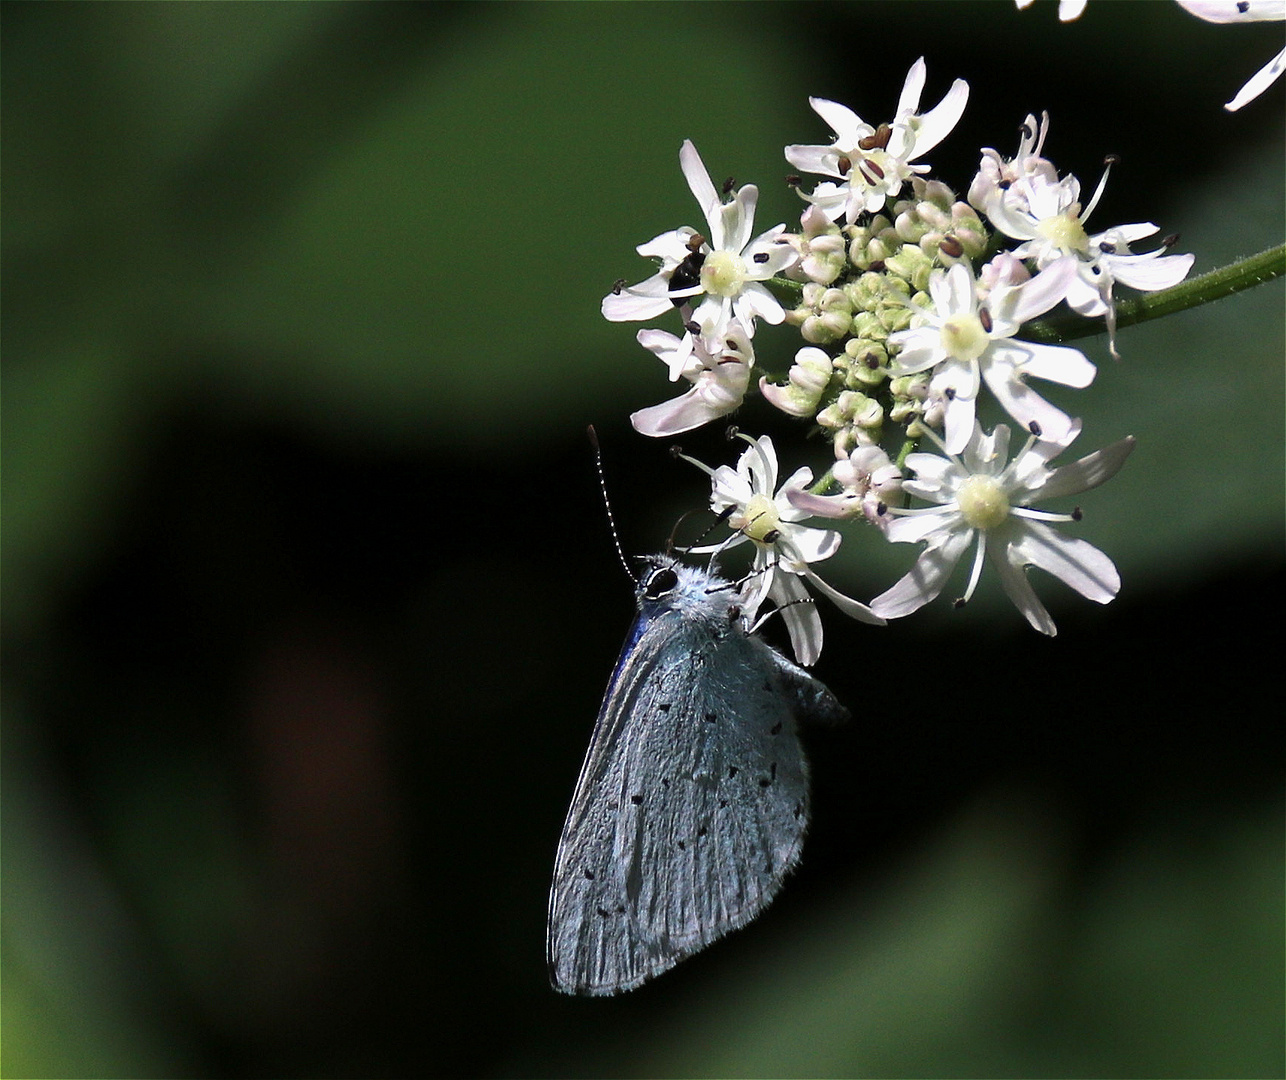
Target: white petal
x=912, y=528
x=756, y=302
x=924, y=580
x=803, y=623
x=1056, y=363
x=699, y=182
x=678, y=415
x=846, y=604
x=815, y=159
x=1259, y=82
x=1045, y=290
x=912, y=88
x=632, y=305
x=804, y=544
x=843, y=121
x=672, y=246
x=1027, y=407
x=938, y=122
x=1013, y=579
x=1073, y=561
x=1149, y=274
x=1090, y=471
x=958, y=423
x=1232, y=11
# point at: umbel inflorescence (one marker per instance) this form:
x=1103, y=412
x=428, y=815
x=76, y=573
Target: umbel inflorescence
x=910, y=304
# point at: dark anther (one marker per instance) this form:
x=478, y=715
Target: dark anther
x=1170, y=241
x=617, y=286
x=772, y=536
x=1107, y=247
x=959, y=602
x=695, y=241
x=984, y=317
x=871, y=171
x=692, y=327
x=1004, y=185
x=1076, y=513
x=871, y=360
x=761, y=257
x=845, y=163
x=728, y=185
x=949, y=393
x=730, y=433
x=793, y=179
x=951, y=247
x=881, y=509
x=1111, y=159
x=676, y=451
x=1035, y=428
x=1243, y=6
x=877, y=140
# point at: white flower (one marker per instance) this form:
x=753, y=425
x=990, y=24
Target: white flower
x=869, y=482
x=995, y=173
x=719, y=380
x=966, y=342
x=728, y=268
x=1046, y=215
x=871, y=164
x=749, y=498
x=981, y=498
x=807, y=380
x=1231, y=11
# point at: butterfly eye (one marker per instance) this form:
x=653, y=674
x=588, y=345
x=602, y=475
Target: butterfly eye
x=659, y=582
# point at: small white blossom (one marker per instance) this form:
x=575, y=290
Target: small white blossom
x=871, y=164
x=982, y=497
x=966, y=342
x=749, y=497
x=1046, y=215
x=996, y=173
x=869, y=483
x=719, y=380
x=1231, y=11
x=807, y=380
x=727, y=268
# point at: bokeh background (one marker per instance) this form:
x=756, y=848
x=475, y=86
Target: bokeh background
x=309, y=599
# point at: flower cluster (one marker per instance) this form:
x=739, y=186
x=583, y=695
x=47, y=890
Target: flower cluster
x=913, y=306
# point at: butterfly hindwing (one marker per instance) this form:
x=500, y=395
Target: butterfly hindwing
x=693, y=800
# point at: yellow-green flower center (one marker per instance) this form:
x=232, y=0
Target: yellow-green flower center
x=759, y=520
x=963, y=336
x=982, y=502
x=723, y=273
x=1065, y=232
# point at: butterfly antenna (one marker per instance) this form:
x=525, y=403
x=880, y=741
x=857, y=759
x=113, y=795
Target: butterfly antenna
x=607, y=503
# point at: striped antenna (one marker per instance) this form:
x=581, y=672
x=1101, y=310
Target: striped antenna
x=607, y=503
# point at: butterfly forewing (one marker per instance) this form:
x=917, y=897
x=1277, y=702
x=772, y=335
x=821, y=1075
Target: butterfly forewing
x=693, y=800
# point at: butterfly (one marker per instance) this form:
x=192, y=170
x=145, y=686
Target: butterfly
x=692, y=803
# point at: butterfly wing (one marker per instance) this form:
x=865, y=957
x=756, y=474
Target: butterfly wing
x=691, y=806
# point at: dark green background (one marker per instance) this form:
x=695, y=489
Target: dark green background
x=309, y=602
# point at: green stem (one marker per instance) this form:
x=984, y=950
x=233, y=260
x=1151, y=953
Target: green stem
x=1194, y=292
